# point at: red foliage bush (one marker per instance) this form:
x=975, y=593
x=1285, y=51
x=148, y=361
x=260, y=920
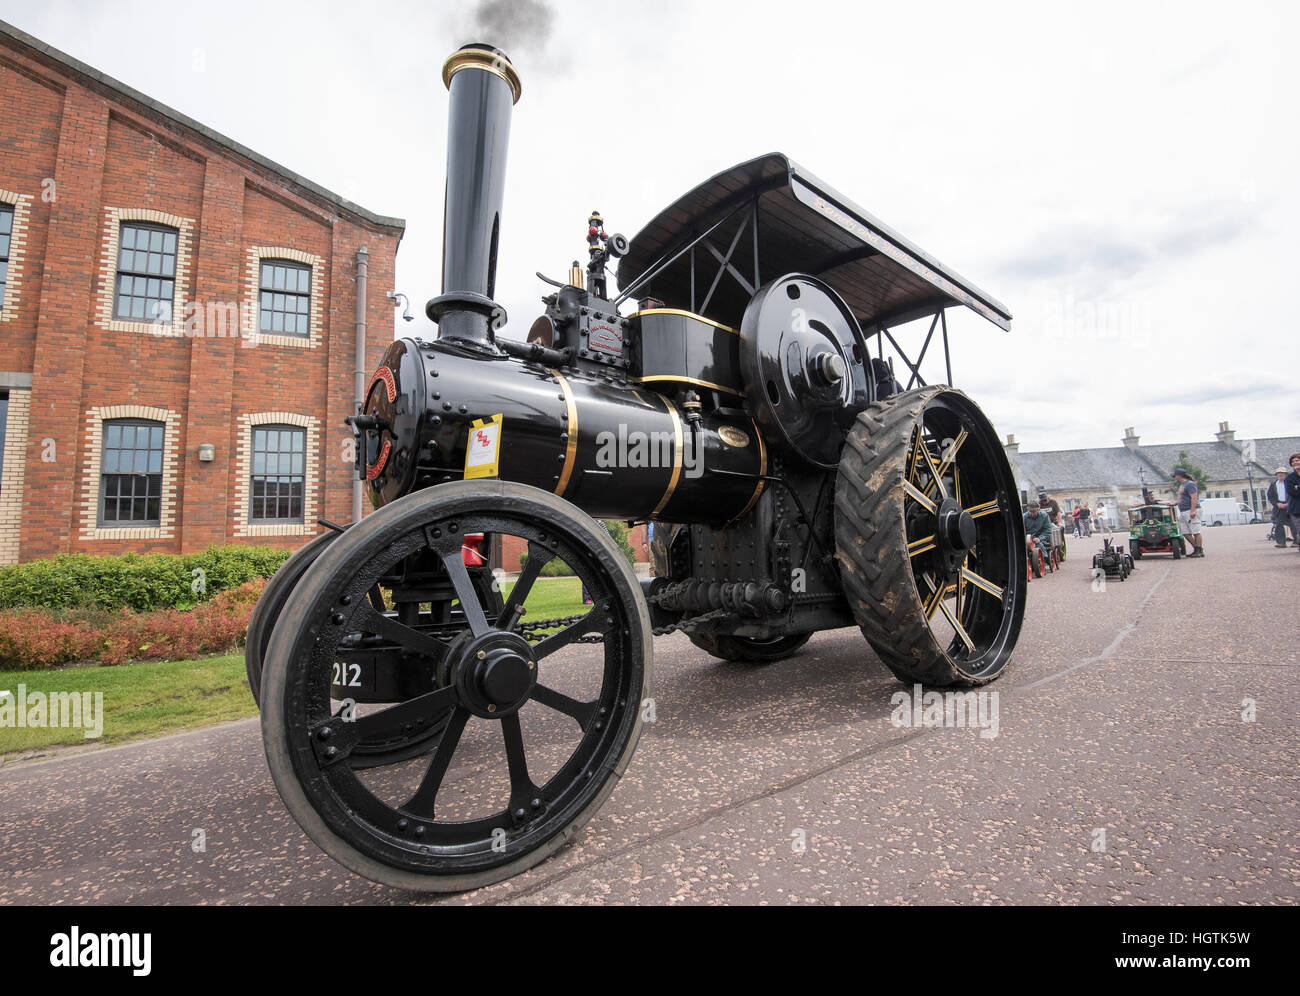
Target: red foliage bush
x=32, y=639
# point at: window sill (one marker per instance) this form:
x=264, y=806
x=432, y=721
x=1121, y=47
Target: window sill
x=146, y=328
x=125, y=532
x=277, y=529
x=272, y=339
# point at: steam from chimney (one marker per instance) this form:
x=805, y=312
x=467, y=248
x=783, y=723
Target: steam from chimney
x=513, y=25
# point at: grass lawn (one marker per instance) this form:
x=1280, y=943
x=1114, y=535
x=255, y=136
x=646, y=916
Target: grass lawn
x=552, y=598
x=146, y=699
x=153, y=698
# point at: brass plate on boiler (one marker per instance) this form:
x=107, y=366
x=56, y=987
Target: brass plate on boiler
x=733, y=436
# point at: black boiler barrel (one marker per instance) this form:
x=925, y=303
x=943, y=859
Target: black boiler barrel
x=616, y=452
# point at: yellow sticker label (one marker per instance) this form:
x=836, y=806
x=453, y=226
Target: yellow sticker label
x=482, y=454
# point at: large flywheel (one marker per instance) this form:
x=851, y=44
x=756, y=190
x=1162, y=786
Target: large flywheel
x=538, y=725
x=929, y=538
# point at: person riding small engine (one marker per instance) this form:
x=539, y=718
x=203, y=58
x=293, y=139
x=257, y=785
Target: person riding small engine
x=1038, y=526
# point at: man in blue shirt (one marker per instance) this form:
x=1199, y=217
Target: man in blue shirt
x=1189, y=524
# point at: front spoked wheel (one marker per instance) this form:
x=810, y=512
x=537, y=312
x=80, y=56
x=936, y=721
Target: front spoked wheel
x=929, y=538
x=539, y=725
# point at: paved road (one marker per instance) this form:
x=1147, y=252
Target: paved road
x=1122, y=712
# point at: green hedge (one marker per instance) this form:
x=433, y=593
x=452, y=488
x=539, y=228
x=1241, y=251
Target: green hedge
x=619, y=533
x=139, y=582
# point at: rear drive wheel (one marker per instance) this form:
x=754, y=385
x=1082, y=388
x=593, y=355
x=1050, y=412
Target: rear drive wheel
x=930, y=539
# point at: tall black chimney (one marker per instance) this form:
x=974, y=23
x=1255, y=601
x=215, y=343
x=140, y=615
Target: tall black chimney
x=484, y=87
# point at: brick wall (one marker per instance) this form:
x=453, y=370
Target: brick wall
x=81, y=156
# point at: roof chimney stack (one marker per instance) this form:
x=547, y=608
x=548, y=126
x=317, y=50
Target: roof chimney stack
x=1225, y=435
x=1130, y=440
x=1011, y=446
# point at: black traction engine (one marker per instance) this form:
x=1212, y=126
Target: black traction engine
x=428, y=725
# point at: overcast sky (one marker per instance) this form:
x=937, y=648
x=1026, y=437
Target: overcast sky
x=1122, y=176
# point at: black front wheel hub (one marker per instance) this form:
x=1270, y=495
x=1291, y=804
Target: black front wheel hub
x=494, y=674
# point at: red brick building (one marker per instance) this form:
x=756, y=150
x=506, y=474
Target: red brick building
x=178, y=324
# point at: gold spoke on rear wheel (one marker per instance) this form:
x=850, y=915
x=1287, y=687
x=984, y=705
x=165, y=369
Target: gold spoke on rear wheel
x=950, y=455
x=920, y=498
x=921, y=545
x=935, y=480
x=932, y=603
x=986, y=508
x=957, y=626
x=961, y=588
x=980, y=582
x=949, y=459
x=938, y=601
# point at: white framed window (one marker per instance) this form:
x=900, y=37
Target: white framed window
x=15, y=210
x=129, y=472
x=279, y=471
x=284, y=290
x=15, y=405
x=277, y=461
x=146, y=253
x=145, y=286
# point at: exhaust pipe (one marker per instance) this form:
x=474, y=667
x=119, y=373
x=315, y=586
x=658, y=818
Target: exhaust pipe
x=484, y=87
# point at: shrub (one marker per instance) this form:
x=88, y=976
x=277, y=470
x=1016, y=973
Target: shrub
x=618, y=531
x=139, y=582
x=553, y=568
x=35, y=638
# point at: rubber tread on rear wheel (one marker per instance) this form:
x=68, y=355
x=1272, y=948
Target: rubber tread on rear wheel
x=881, y=530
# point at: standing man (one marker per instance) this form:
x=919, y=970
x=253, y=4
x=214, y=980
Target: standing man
x=1188, y=505
x=1048, y=504
x=1278, y=499
x=1293, y=495
x=1085, y=520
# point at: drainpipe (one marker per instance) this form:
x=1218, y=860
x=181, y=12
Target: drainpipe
x=363, y=259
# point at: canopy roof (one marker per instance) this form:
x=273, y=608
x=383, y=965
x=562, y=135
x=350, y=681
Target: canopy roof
x=803, y=226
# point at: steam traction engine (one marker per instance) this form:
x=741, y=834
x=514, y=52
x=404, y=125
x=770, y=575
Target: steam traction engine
x=424, y=730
